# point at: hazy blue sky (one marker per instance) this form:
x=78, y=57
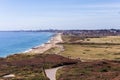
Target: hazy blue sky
x=59, y=14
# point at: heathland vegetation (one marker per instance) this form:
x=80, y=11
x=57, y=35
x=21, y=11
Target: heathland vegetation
x=99, y=52
x=30, y=67
x=87, y=54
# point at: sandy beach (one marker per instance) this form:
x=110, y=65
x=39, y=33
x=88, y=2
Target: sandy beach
x=46, y=46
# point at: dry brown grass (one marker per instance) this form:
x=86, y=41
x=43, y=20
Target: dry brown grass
x=92, y=52
x=54, y=50
x=108, y=39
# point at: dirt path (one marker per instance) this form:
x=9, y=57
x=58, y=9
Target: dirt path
x=51, y=73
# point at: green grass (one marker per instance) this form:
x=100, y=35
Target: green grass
x=108, y=39
x=92, y=52
x=54, y=50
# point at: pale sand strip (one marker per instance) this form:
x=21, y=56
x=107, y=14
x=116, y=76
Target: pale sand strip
x=42, y=48
x=51, y=73
x=9, y=76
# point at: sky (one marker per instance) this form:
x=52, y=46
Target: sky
x=59, y=14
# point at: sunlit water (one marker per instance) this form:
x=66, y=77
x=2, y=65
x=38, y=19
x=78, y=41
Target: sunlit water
x=15, y=42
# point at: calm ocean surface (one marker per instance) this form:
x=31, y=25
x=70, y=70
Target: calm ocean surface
x=15, y=42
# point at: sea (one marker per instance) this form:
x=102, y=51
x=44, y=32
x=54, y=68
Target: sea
x=17, y=42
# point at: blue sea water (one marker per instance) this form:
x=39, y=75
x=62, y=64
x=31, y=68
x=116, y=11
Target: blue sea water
x=15, y=42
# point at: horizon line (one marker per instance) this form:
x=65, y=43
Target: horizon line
x=59, y=29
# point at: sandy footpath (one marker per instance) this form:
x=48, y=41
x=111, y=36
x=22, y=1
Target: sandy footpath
x=44, y=47
x=51, y=73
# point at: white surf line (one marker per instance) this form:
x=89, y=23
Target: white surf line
x=51, y=73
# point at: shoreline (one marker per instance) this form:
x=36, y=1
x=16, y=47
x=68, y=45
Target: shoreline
x=45, y=46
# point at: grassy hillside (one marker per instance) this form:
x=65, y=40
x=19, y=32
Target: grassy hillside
x=106, y=47
x=92, y=52
x=107, y=39
x=101, y=56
